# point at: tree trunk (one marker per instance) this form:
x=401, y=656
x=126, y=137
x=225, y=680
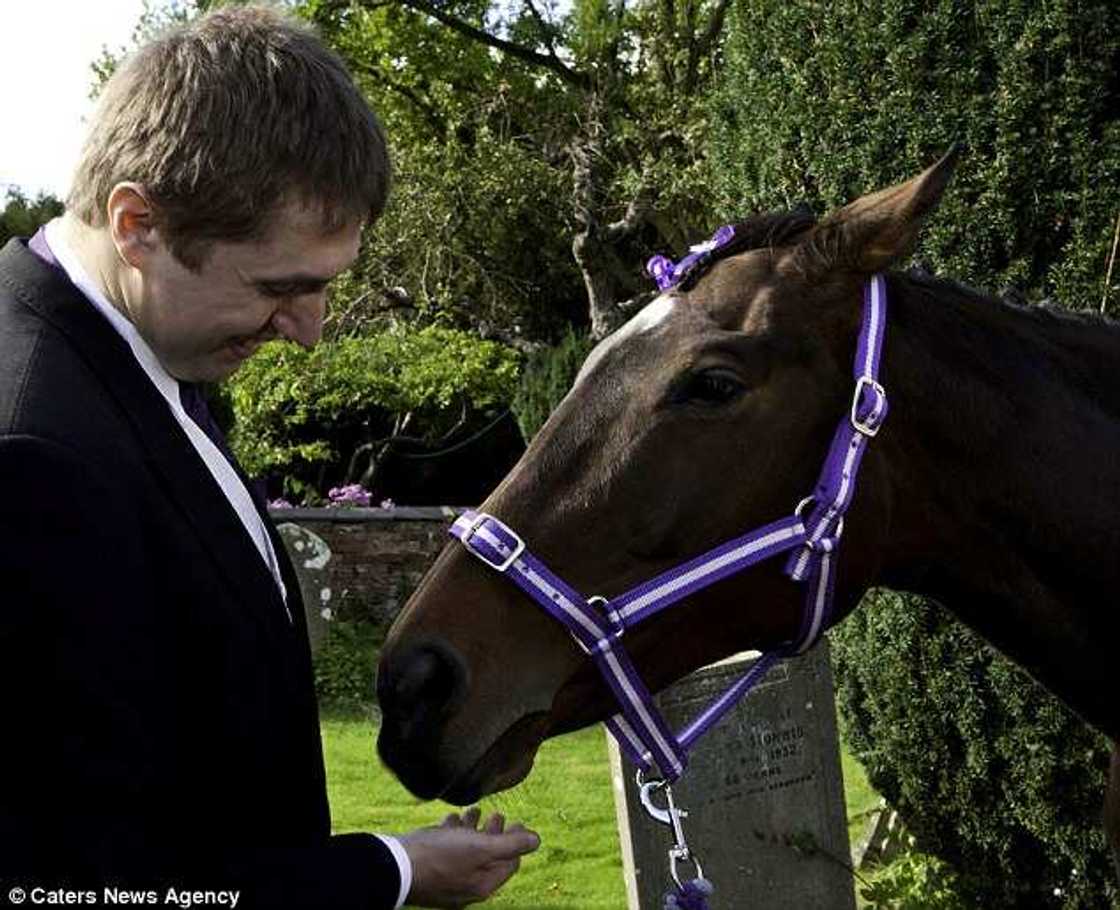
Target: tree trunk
x=612, y=286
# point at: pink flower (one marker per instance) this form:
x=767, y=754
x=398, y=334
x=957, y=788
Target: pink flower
x=353, y=494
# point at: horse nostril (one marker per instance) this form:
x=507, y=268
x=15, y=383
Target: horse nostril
x=425, y=681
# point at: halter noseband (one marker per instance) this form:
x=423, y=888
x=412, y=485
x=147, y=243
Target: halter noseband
x=810, y=536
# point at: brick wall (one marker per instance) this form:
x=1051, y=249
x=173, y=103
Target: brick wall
x=378, y=556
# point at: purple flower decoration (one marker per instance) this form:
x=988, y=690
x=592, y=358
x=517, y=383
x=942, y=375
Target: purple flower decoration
x=280, y=504
x=388, y=504
x=353, y=494
x=667, y=274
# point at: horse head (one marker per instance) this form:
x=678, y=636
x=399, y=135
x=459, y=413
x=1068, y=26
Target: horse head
x=707, y=414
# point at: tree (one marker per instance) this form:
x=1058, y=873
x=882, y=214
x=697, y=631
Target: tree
x=470, y=237
x=23, y=216
x=599, y=106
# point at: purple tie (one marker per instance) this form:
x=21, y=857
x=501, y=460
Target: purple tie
x=194, y=403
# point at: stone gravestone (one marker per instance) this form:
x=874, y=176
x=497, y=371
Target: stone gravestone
x=310, y=556
x=763, y=790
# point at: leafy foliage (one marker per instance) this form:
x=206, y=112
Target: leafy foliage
x=548, y=374
x=345, y=665
x=990, y=772
x=471, y=237
x=303, y=414
x=475, y=231
x=913, y=881
x=822, y=102
x=22, y=216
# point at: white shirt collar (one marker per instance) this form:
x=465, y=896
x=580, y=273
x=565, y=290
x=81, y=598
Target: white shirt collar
x=167, y=384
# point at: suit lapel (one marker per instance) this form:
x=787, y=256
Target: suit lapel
x=186, y=479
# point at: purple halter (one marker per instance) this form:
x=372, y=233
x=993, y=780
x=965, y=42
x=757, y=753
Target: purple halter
x=812, y=533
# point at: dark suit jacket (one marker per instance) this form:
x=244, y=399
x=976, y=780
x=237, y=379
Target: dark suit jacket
x=158, y=716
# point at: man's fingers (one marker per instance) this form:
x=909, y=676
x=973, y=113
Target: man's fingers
x=518, y=828
x=451, y=820
x=471, y=817
x=495, y=824
x=516, y=841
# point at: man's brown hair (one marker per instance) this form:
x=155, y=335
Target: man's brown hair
x=226, y=119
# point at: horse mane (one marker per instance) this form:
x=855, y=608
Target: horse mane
x=1046, y=314
x=1084, y=346
x=766, y=230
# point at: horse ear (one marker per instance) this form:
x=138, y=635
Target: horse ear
x=878, y=229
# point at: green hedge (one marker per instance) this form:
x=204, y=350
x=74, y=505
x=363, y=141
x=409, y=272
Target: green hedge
x=989, y=771
x=301, y=414
x=345, y=665
x=545, y=381
x=821, y=102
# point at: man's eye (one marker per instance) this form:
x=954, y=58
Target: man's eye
x=290, y=289
x=279, y=290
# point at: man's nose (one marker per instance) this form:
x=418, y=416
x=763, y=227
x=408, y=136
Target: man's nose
x=300, y=319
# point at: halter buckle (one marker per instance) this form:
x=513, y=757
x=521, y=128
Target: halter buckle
x=870, y=424
x=519, y=545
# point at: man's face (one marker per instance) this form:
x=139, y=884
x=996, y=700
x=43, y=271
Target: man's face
x=202, y=325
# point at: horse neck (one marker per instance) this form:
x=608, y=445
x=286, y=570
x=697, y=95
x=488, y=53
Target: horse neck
x=1004, y=480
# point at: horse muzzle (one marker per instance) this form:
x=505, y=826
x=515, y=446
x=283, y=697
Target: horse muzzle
x=422, y=690
x=418, y=689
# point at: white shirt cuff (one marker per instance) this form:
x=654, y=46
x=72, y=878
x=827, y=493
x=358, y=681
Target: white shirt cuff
x=404, y=864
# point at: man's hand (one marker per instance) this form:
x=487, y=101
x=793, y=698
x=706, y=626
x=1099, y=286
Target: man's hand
x=456, y=864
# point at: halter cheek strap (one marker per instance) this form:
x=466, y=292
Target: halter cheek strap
x=811, y=536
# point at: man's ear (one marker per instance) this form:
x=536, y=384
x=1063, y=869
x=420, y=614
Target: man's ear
x=131, y=222
x=878, y=229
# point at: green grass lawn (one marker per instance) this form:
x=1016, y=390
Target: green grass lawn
x=860, y=799
x=567, y=799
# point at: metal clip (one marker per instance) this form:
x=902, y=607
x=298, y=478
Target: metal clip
x=671, y=817
x=613, y=617
x=817, y=545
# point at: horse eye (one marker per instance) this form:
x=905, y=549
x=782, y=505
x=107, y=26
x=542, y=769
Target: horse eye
x=713, y=387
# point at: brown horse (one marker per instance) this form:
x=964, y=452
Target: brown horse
x=992, y=488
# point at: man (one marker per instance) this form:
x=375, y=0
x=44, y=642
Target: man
x=160, y=728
